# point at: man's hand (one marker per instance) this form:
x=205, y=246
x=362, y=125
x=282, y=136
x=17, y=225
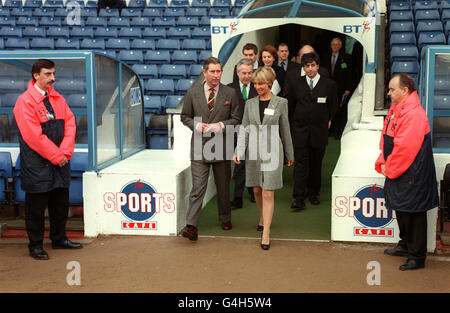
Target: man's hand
x=383, y=169
x=200, y=127
x=63, y=161
x=214, y=128
x=236, y=159
x=329, y=124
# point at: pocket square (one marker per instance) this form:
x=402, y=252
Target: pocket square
x=226, y=103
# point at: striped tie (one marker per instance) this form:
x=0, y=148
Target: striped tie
x=211, y=99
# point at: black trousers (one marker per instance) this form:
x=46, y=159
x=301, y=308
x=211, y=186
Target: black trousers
x=57, y=201
x=239, y=180
x=413, y=234
x=307, y=172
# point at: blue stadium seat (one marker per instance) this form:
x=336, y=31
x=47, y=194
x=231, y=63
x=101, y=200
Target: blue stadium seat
x=140, y=22
x=59, y=12
x=4, y=11
x=423, y=15
x=27, y=21
x=131, y=12
x=33, y=32
x=198, y=12
x=96, y=21
x=162, y=87
x=130, y=32
x=72, y=44
x=431, y=38
x=119, y=22
x=184, y=57
x=157, y=139
x=106, y=32
x=219, y=12
x=179, y=32
x=235, y=11
x=7, y=21
x=447, y=29
x=2, y=43
x=86, y=12
x=92, y=4
x=402, y=39
x=195, y=70
x=92, y=44
x=12, y=4
x=200, y=4
x=429, y=26
x=17, y=43
x=19, y=194
x=157, y=4
x=204, y=55
x=78, y=165
x=201, y=33
x=6, y=173
x=425, y=5
x=32, y=4
x=82, y=32
x=400, y=6
x=152, y=12
x=410, y=67
x=164, y=21
x=136, y=4
x=152, y=104
x=168, y=44
x=143, y=44
x=445, y=4
x=204, y=21
x=441, y=85
x=222, y=4
x=146, y=71
x=442, y=102
x=53, y=4
x=193, y=44
x=77, y=101
x=400, y=16
x=42, y=43
x=9, y=100
x=183, y=85
x=240, y=3
x=117, y=44
x=71, y=85
x=58, y=32
x=154, y=33
x=171, y=102
x=404, y=53
x=191, y=21
x=8, y=31
x=174, y=12
x=49, y=21
x=109, y=12
x=157, y=57
x=445, y=15
x=21, y=12
x=12, y=85
x=131, y=57
x=400, y=26
x=172, y=71
x=180, y=3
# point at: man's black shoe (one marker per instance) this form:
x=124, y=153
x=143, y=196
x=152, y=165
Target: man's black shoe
x=314, y=200
x=236, y=203
x=298, y=205
x=67, y=244
x=39, y=254
x=412, y=265
x=396, y=251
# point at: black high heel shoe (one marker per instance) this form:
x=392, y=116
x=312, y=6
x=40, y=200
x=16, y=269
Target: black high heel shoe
x=260, y=228
x=263, y=246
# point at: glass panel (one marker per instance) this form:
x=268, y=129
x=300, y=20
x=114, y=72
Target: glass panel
x=442, y=82
x=107, y=106
x=441, y=132
x=133, y=121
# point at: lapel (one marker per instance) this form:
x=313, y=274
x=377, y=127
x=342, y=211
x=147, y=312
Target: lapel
x=218, y=103
x=272, y=105
x=200, y=94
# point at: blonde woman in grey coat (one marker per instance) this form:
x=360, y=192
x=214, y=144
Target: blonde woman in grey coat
x=264, y=142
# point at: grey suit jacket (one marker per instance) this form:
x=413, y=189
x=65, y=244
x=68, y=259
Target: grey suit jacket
x=210, y=147
x=264, y=144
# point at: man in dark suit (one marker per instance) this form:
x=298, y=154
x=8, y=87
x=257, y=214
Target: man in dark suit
x=208, y=108
x=244, y=90
x=249, y=51
x=339, y=63
x=312, y=101
x=283, y=59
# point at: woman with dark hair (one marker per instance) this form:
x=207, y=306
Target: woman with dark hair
x=268, y=57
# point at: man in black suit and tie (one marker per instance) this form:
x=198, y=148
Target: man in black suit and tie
x=283, y=59
x=244, y=90
x=208, y=108
x=249, y=51
x=312, y=100
x=339, y=63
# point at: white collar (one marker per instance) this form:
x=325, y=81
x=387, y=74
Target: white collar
x=42, y=92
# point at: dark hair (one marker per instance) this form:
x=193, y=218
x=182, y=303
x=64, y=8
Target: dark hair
x=282, y=44
x=211, y=60
x=405, y=81
x=40, y=64
x=271, y=49
x=250, y=46
x=310, y=57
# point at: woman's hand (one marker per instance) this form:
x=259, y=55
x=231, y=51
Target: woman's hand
x=236, y=159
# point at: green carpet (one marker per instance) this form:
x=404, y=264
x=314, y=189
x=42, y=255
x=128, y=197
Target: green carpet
x=312, y=223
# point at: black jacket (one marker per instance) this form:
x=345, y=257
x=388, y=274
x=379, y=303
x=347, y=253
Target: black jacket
x=251, y=94
x=342, y=74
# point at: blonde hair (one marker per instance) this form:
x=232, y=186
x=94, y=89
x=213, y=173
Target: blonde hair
x=264, y=74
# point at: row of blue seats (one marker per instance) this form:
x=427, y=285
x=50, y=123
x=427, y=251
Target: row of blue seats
x=114, y=13
x=105, y=33
x=181, y=32
x=424, y=38
x=173, y=71
x=158, y=104
x=78, y=165
x=419, y=15
x=100, y=44
x=419, y=5
x=130, y=4
x=422, y=26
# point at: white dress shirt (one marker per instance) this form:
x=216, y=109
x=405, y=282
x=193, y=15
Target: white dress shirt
x=315, y=80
